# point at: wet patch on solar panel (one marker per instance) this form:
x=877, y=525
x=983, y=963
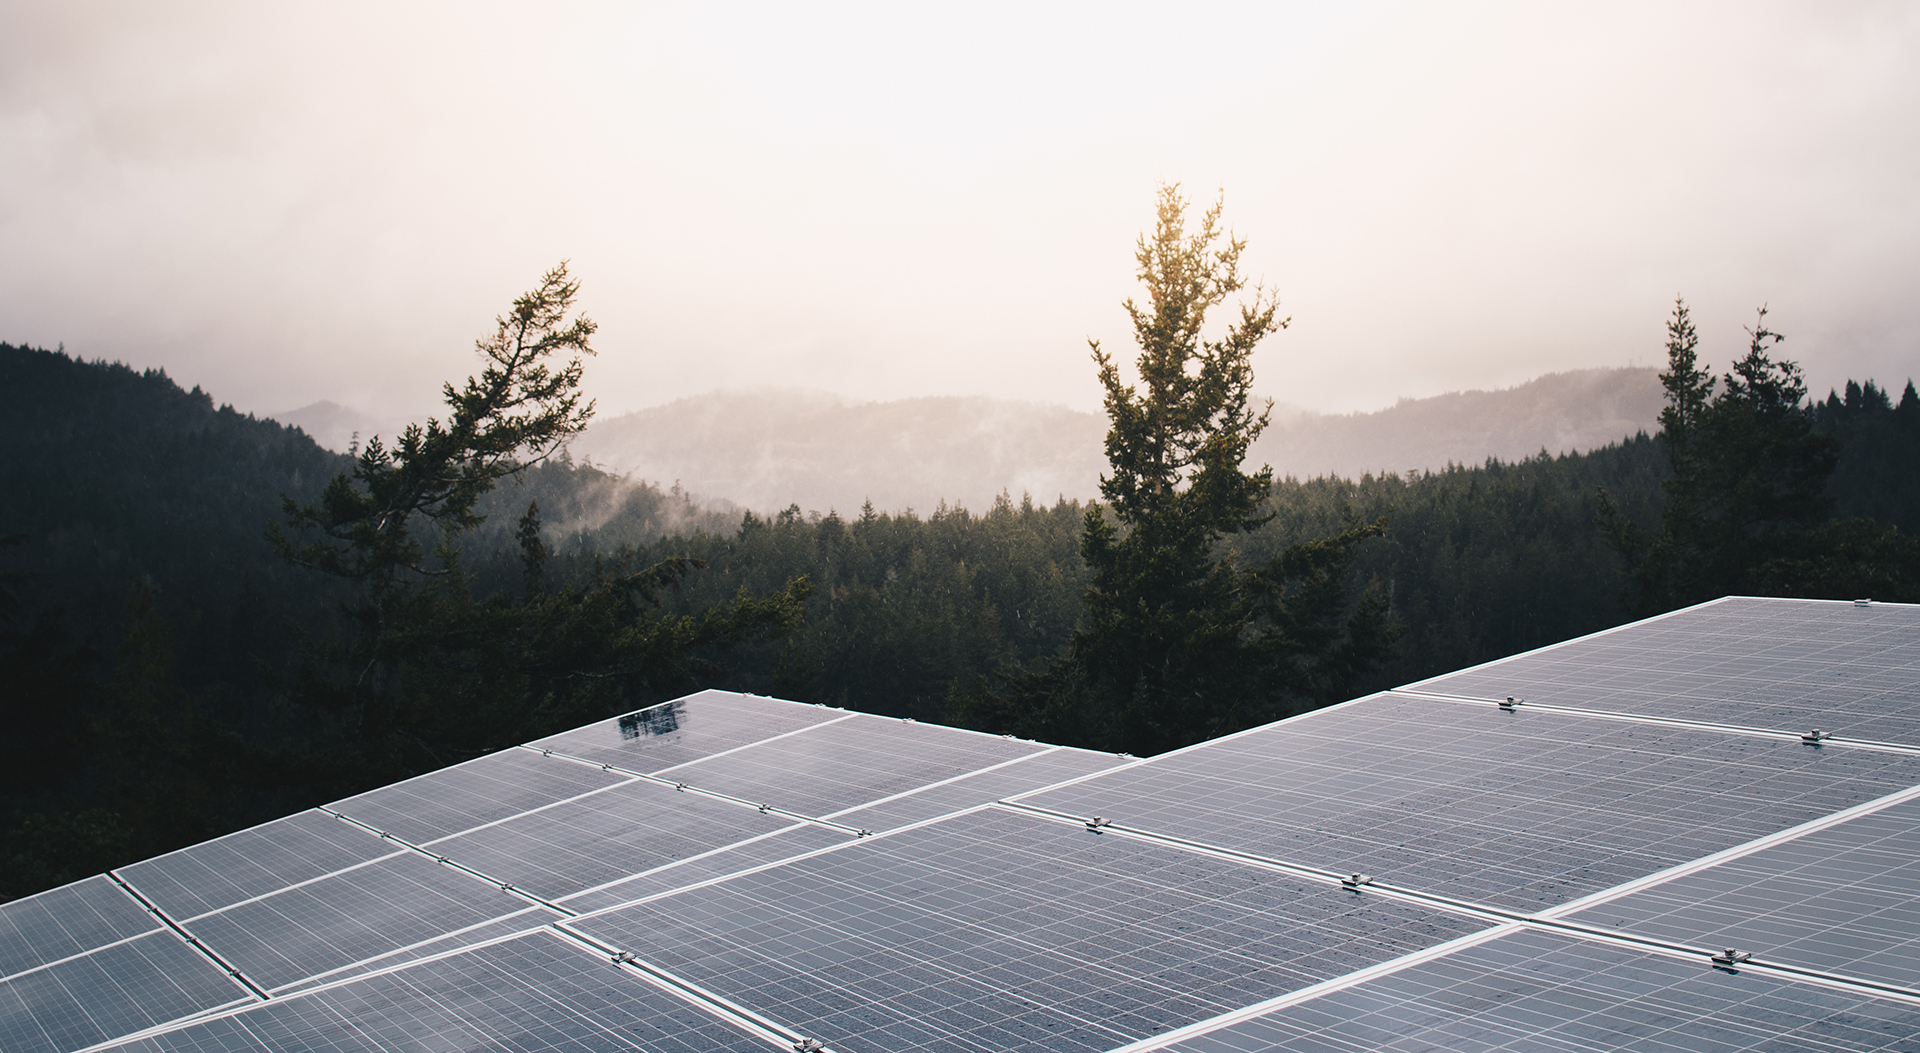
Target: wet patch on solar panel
x=1000, y=931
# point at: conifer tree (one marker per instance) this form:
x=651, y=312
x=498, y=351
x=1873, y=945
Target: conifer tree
x=1183, y=642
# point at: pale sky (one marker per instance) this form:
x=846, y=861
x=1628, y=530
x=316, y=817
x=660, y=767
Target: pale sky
x=286, y=203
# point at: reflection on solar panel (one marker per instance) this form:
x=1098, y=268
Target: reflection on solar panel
x=1646, y=849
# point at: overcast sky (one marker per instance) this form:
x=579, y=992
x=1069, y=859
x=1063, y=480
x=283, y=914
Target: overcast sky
x=286, y=203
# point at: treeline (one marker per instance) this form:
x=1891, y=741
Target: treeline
x=156, y=658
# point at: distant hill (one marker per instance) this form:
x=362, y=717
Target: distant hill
x=337, y=427
x=768, y=447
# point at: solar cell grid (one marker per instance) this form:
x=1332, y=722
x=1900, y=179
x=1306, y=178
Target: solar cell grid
x=688, y=729
x=349, y=917
x=794, y=840
x=999, y=931
x=483, y=790
x=114, y=991
x=620, y=831
x=224, y=871
x=526, y=995
x=1845, y=899
x=66, y=921
x=850, y=762
x=1516, y=810
x=1538, y=991
x=1791, y=665
x=527, y=920
x=1021, y=776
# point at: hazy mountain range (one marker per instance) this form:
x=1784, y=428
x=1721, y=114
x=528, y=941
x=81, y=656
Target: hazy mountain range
x=766, y=448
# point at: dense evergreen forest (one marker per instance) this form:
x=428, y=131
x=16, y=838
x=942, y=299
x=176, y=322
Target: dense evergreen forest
x=158, y=657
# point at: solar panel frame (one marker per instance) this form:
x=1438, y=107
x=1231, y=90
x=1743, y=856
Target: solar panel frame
x=1519, y=811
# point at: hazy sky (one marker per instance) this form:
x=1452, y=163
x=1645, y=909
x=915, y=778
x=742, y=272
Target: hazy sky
x=286, y=203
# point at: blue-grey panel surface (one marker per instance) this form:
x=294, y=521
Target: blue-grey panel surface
x=1022, y=776
x=849, y=762
x=66, y=921
x=797, y=839
x=528, y=920
x=1539, y=991
x=536, y=994
x=112, y=992
x=613, y=834
x=1793, y=665
x=1000, y=931
x=1845, y=899
x=350, y=916
x=483, y=790
x=1517, y=810
x=226, y=870
x=686, y=729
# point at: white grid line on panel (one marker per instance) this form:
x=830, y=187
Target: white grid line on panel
x=179, y=931
x=1050, y=750
x=768, y=809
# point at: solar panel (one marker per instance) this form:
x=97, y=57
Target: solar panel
x=265, y=859
x=795, y=840
x=996, y=930
x=532, y=993
x=687, y=729
x=66, y=921
x=1200, y=910
x=350, y=916
x=1845, y=899
x=110, y=992
x=1540, y=991
x=1793, y=665
x=483, y=790
x=587, y=842
x=1517, y=810
x=1007, y=780
x=838, y=765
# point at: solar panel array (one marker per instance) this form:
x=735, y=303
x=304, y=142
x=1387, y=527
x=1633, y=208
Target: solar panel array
x=1648, y=848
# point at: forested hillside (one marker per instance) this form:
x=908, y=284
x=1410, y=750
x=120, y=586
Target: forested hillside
x=156, y=690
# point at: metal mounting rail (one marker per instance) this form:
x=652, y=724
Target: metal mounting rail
x=1824, y=738
x=193, y=941
x=1359, y=884
x=687, y=991
x=507, y=887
